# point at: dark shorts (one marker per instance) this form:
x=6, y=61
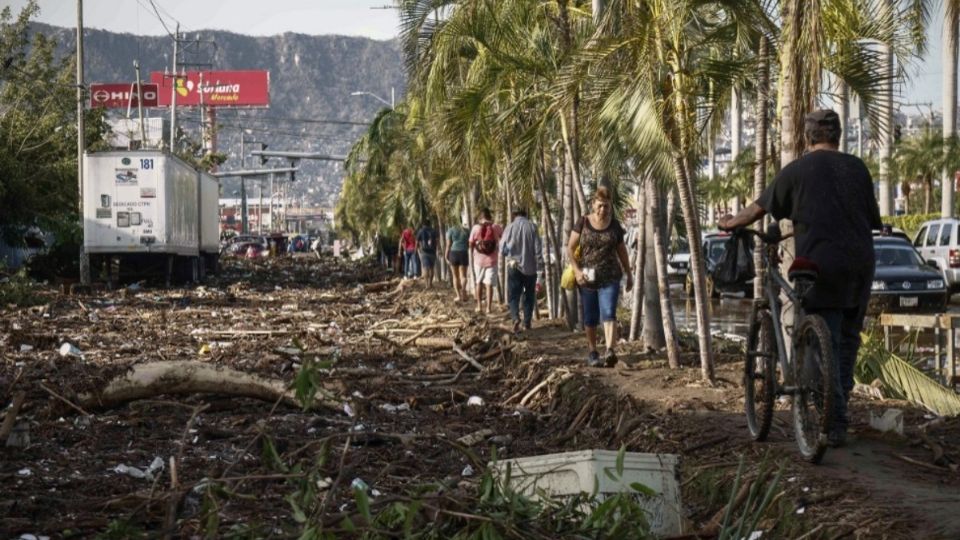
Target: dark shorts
x=459, y=258
x=429, y=260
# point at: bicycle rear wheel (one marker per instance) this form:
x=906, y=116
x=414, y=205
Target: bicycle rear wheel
x=760, y=374
x=813, y=401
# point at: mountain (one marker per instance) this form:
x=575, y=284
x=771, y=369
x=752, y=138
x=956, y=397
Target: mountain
x=311, y=79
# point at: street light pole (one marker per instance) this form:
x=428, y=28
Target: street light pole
x=390, y=103
x=81, y=128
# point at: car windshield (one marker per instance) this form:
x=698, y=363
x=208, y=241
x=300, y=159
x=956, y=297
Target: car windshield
x=715, y=248
x=896, y=256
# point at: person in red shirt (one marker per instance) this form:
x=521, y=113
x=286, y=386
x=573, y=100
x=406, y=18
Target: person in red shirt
x=408, y=246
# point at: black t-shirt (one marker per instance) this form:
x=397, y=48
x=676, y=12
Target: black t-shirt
x=427, y=240
x=598, y=249
x=829, y=197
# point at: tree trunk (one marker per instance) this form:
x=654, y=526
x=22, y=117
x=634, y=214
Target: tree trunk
x=736, y=133
x=927, y=193
x=950, y=36
x=671, y=213
x=636, y=296
x=885, y=132
x=653, y=320
x=570, y=216
x=843, y=95
x=760, y=150
x=688, y=207
x=656, y=202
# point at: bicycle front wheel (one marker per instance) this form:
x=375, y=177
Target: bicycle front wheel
x=759, y=374
x=813, y=376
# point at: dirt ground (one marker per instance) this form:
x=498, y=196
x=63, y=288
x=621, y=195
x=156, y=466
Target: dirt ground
x=408, y=407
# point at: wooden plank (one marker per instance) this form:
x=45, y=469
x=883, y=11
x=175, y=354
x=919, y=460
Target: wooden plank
x=909, y=319
x=950, y=320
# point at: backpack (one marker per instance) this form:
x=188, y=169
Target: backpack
x=487, y=244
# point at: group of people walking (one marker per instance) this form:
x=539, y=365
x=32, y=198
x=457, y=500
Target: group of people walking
x=596, y=250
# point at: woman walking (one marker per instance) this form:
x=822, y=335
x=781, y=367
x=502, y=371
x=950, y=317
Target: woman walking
x=603, y=262
x=459, y=258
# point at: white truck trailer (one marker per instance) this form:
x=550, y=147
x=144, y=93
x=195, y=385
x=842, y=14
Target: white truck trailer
x=151, y=213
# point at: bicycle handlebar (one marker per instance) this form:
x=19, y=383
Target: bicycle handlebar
x=772, y=236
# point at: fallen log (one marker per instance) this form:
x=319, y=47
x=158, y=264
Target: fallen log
x=166, y=377
x=379, y=286
x=11, y=416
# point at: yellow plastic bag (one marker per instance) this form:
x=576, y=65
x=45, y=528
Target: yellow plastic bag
x=568, y=280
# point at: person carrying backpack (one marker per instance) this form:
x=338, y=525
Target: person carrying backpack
x=427, y=242
x=484, y=241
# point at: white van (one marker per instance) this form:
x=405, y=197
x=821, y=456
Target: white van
x=937, y=241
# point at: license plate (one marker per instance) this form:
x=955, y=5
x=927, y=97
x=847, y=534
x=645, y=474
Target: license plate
x=909, y=301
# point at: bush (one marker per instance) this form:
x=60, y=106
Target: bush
x=910, y=223
x=18, y=289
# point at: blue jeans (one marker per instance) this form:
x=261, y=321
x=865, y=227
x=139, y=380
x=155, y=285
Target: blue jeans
x=600, y=303
x=519, y=284
x=411, y=264
x=845, y=326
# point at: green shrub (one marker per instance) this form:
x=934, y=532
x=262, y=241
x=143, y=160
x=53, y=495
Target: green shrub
x=910, y=223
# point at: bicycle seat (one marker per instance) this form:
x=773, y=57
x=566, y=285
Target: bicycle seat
x=803, y=268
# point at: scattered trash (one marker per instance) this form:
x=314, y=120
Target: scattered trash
x=395, y=408
x=475, y=401
x=68, y=349
x=801, y=510
x=204, y=349
x=755, y=535
x=890, y=420
x=26, y=348
x=133, y=472
x=289, y=351
x=24, y=472
x=27, y=536
x=359, y=484
x=375, y=492
x=467, y=471
x=348, y=410
x=475, y=437
x=324, y=483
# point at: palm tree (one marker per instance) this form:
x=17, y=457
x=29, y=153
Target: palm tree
x=951, y=9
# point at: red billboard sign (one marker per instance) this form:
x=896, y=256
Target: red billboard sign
x=120, y=95
x=215, y=88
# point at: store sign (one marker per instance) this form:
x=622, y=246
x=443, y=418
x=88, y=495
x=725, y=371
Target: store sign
x=215, y=88
x=122, y=95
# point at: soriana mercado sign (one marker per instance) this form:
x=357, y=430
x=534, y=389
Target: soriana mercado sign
x=215, y=88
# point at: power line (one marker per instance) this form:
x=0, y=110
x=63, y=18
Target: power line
x=160, y=18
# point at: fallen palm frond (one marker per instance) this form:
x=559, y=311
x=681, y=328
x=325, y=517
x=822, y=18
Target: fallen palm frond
x=901, y=380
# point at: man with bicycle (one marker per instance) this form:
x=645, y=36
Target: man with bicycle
x=828, y=195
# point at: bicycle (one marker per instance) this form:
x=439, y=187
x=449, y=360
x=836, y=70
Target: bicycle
x=806, y=369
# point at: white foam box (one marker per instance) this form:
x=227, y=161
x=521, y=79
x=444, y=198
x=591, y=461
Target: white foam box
x=570, y=473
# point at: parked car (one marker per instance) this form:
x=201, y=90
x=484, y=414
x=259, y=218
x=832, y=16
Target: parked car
x=937, y=240
x=678, y=262
x=239, y=243
x=713, y=246
x=903, y=281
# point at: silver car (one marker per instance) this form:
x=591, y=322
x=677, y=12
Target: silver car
x=937, y=242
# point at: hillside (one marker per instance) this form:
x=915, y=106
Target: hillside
x=311, y=78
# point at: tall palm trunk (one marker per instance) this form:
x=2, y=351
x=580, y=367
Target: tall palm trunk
x=656, y=202
x=636, y=296
x=843, y=96
x=570, y=216
x=927, y=193
x=553, y=244
x=950, y=37
x=688, y=208
x=653, y=322
x=760, y=148
x=736, y=133
x=886, y=134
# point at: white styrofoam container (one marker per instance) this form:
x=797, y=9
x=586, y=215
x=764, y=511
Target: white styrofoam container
x=142, y=201
x=570, y=473
x=209, y=214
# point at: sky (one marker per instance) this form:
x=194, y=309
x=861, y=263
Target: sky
x=353, y=18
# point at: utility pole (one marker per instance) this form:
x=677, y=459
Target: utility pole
x=81, y=143
x=143, y=129
x=243, y=186
x=173, y=92
x=951, y=34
